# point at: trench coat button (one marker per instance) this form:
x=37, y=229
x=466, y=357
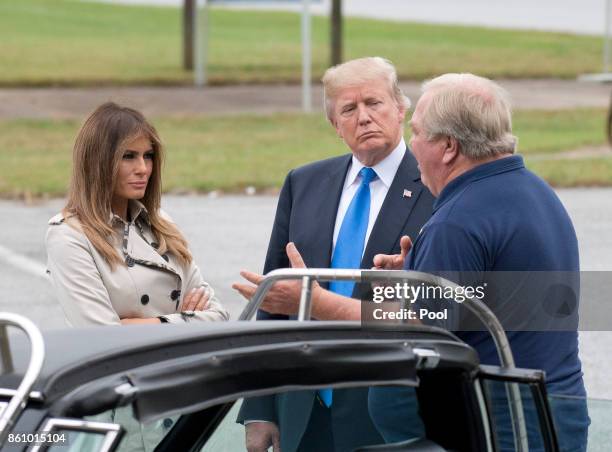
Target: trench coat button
x=168, y=423
x=165, y=257
x=129, y=261
x=144, y=299
x=175, y=294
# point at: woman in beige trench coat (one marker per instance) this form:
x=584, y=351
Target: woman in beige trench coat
x=114, y=257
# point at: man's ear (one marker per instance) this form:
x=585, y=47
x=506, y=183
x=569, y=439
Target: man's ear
x=335, y=124
x=451, y=150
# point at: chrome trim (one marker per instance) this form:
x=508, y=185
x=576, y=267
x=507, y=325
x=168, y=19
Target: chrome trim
x=126, y=389
x=305, y=299
x=485, y=414
x=428, y=358
x=517, y=416
x=18, y=401
x=34, y=395
x=110, y=430
x=474, y=305
x=7, y=359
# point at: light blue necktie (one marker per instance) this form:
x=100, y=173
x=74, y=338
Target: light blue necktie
x=350, y=244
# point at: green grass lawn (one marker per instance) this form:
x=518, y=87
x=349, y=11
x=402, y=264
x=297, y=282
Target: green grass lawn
x=575, y=173
x=544, y=132
x=231, y=152
x=65, y=42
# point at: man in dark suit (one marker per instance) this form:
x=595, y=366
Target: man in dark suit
x=340, y=212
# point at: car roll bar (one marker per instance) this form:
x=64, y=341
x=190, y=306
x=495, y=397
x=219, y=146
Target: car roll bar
x=17, y=403
x=475, y=305
x=308, y=275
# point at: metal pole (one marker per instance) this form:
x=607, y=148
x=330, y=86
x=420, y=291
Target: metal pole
x=200, y=45
x=606, y=49
x=189, y=7
x=336, y=32
x=307, y=275
x=5, y=350
x=304, y=313
x=306, y=57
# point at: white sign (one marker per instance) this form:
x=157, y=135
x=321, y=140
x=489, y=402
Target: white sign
x=200, y=46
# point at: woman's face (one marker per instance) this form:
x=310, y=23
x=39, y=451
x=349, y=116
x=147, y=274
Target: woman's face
x=135, y=169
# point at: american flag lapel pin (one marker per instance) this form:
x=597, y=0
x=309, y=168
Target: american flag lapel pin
x=407, y=194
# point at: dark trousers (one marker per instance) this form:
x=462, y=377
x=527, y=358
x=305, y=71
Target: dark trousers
x=318, y=436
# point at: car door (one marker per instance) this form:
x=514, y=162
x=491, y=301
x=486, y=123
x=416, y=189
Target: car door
x=188, y=401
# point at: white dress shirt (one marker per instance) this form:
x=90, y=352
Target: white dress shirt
x=385, y=172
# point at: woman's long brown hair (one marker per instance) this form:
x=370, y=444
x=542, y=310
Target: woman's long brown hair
x=97, y=152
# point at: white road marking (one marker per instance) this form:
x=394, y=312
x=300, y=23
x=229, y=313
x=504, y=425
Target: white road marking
x=24, y=263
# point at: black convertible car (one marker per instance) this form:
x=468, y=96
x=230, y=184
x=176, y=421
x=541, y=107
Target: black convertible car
x=178, y=388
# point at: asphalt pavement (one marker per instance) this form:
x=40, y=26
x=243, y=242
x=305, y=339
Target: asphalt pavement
x=229, y=233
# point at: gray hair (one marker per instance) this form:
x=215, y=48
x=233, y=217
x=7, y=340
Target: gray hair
x=358, y=72
x=473, y=110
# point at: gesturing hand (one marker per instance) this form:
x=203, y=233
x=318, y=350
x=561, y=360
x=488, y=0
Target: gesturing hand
x=393, y=261
x=284, y=296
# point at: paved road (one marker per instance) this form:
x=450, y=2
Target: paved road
x=41, y=103
x=230, y=233
x=576, y=16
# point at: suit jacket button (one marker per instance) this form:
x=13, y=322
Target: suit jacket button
x=144, y=299
x=165, y=257
x=175, y=294
x=129, y=261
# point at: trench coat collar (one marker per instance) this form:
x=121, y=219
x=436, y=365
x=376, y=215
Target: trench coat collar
x=137, y=211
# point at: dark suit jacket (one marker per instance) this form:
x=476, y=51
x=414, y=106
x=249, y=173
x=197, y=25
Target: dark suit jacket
x=306, y=215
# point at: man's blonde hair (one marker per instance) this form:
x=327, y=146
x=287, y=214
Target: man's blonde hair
x=473, y=110
x=358, y=72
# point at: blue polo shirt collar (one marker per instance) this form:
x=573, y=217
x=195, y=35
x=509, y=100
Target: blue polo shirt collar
x=488, y=169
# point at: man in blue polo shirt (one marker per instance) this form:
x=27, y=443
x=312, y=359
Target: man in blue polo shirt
x=492, y=215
